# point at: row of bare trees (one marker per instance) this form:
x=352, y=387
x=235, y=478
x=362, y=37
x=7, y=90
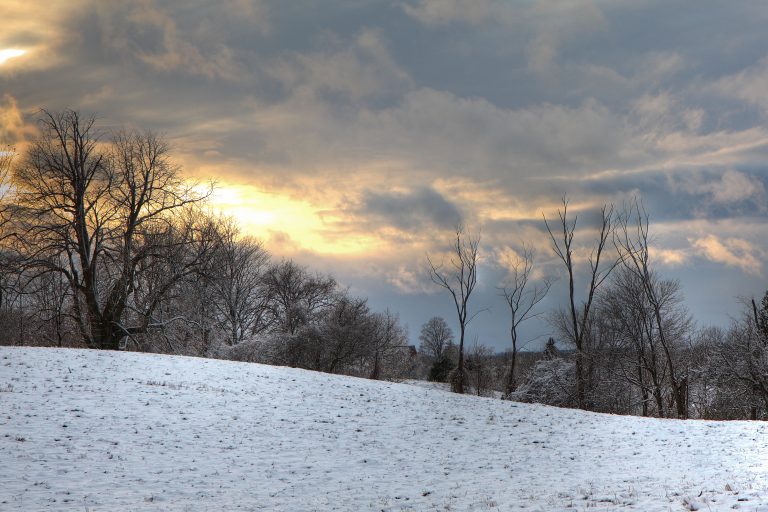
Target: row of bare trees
x=105, y=245
x=630, y=343
x=626, y=310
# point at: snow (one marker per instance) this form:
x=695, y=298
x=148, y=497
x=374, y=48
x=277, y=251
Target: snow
x=104, y=431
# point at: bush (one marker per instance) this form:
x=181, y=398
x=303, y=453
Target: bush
x=441, y=369
x=551, y=382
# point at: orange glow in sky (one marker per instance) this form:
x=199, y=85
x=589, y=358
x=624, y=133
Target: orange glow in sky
x=10, y=53
x=266, y=215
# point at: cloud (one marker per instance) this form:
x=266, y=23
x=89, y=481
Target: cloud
x=747, y=85
x=546, y=25
x=735, y=186
x=40, y=29
x=445, y=12
x=657, y=66
x=360, y=69
x=734, y=252
x=473, y=137
x=170, y=38
x=555, y=24
x=411, y=281
x=512, y=261
x=717, y=194
x=668, y=257
x=418, y=209
x=14, y=129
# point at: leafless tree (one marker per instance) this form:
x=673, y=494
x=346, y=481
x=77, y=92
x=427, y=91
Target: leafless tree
x=98, y=204
x=50, y=298
x=238, y=292
x=435, y=337
x=624, y=312
x=459, y=277
x=479, y=369
x=577, y=327
x=740, y=361
x=174, y=255
x=345, y=335
x=9, y=277
x=633, y=242
x=522, y=299
x=389, y=349
x=296, y=295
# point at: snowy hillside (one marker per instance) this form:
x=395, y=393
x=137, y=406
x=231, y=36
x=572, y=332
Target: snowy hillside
x=104, y=431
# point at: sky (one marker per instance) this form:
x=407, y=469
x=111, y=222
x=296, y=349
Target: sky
x=353, y=136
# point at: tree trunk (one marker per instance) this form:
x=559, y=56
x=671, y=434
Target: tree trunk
x=511, y=384
x=580, y=392
x=681, y=398
x=458, y=381
x=643, y=389
x=375, y=373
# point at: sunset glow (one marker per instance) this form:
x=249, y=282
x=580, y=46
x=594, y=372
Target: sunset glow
x=293, y=222
x=10, y=53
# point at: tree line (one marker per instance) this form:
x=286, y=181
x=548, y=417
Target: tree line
x=105, y=245
x=628, y=344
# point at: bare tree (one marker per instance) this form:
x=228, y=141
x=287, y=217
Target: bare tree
x=459, y=277
x=177, y=254
x=521, y=299
x=624, y=311
x=646, y=352
x=389, y=347
x=51, y=296
x=740, y=361
x=8, y=267
x=435, y=337
x=296, y=295
x=633, y=242
x=577, y=327
x=346, y=334
x=239, y=294
x=98, y=204
x=480, y=375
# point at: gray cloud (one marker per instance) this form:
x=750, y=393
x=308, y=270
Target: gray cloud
x=418, y=209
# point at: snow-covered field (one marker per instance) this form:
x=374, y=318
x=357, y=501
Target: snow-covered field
x=105, y=431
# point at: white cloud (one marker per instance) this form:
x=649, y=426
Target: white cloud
x=730, y=187
x=748, y=85
x=735, y=186
x=669, y=257
x=734, y=252
x=411, y=281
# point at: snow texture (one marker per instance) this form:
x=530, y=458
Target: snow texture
x=104, y=431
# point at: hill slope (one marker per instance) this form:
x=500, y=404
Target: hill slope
x=99, y=431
